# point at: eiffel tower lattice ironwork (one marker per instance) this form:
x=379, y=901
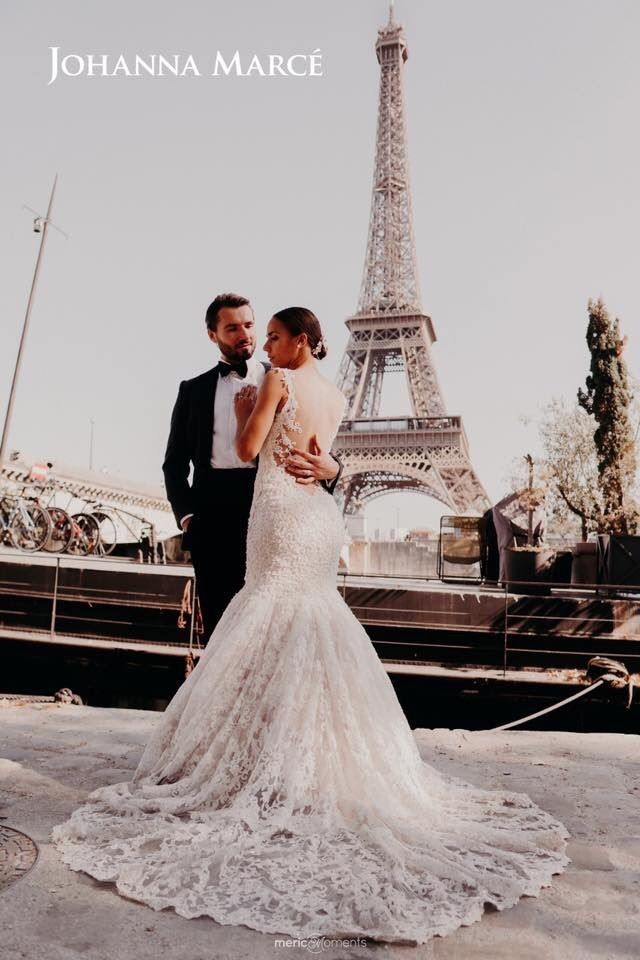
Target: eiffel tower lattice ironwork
x=426, y=451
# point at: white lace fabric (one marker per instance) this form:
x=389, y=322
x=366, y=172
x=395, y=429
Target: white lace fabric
x=283, y=789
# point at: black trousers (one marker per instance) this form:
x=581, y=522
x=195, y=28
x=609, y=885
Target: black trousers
x=217, y=538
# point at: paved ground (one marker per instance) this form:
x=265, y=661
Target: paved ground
x=55, y=754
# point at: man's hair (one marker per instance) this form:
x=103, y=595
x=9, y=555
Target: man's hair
x=221, y=301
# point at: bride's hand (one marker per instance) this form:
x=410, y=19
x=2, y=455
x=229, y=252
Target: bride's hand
x=244, y=402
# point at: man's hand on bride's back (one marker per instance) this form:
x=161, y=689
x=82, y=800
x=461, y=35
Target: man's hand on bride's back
x=307, y=466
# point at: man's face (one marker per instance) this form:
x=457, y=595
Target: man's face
x=235, y=333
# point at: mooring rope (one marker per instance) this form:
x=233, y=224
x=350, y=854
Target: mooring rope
x=64, y=695
x=619, y=679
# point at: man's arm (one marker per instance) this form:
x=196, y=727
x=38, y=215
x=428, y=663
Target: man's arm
x=307, y=466
x=330, y=485
x=177, y=461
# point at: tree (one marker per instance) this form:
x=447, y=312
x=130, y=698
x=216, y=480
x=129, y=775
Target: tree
x=570, y=464
x=607, y=399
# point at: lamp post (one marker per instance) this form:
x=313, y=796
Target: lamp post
x=40, y=225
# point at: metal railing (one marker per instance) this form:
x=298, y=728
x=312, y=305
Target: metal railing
x=541, y=625
x=110, y=603
x=103, y=602
x=382, y=424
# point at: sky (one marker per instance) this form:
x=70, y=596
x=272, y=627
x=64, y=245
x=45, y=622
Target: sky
x=524, y=152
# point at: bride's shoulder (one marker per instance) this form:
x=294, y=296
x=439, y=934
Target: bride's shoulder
x=276, y=376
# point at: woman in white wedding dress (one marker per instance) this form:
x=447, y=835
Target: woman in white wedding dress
x=282, y=788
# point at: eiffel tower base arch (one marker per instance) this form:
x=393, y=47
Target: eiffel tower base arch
x=428, y=456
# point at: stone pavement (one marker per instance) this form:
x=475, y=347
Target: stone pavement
x=54, y=754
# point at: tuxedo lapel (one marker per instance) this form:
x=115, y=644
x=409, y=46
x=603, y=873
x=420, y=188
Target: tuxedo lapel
x=204, y=413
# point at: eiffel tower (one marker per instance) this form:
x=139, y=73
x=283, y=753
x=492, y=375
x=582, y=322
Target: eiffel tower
x=426, y=451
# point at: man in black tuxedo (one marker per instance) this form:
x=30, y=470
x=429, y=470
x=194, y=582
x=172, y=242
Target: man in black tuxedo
x=213, y=510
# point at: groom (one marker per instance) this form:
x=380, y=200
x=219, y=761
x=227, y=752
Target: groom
x=213, y=510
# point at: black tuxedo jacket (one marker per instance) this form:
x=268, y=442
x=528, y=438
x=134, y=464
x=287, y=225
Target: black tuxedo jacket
x=190, y=442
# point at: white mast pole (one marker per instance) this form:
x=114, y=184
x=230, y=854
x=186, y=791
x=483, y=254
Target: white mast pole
x=16, y=373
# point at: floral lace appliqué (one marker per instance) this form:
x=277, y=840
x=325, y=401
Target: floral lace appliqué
x=283, y=444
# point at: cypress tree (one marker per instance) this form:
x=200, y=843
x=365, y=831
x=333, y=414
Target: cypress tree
x=607, y=398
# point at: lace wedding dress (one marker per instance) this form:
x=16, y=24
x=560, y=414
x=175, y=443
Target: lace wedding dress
x=282, y=787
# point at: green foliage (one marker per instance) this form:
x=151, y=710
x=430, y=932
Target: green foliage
x=571, y=466
x=607, y=399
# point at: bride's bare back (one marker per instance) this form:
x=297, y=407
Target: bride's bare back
x=319, y=407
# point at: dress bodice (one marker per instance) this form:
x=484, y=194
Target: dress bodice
x=296, y=531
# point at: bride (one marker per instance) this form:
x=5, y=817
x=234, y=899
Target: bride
x=282, y=788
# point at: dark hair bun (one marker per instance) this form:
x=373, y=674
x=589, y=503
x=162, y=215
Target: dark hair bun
x=301, y=320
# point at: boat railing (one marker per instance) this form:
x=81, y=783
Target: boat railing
x=410, y=620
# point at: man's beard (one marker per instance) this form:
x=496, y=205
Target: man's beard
x=241, y=353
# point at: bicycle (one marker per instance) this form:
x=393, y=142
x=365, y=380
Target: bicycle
x=26, y=525
x=107, y=530
x=86, y=535
x=61, y=531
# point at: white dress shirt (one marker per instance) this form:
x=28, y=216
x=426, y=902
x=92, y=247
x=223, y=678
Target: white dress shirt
x=223, y=450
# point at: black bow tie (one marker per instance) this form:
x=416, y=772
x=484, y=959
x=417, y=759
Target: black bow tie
x=225, y=368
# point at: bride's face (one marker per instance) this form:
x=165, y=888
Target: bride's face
x=283, y=349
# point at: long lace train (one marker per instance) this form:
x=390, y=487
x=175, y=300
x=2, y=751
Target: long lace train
x=283, y=788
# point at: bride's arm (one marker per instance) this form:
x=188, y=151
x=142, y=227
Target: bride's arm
x=255, y=414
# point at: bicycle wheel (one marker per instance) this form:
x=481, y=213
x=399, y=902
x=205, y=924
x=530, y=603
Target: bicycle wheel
x=86, y=535
x=108, y=533
x=61, y=530
x=29, y=527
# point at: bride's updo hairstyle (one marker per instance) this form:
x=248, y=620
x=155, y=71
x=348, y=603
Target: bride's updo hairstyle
x=300, y=320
